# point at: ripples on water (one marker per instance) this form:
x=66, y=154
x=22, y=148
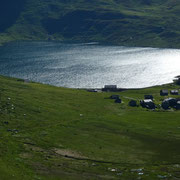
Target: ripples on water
x=89, y=65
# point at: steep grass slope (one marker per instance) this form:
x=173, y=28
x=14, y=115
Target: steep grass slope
x=130, y=22
x=57, y=133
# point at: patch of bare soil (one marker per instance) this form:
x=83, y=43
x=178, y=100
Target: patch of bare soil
x=33, y=148
x=26, y=155
x=68, y=153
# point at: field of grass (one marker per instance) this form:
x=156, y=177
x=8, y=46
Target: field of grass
x=57, y=133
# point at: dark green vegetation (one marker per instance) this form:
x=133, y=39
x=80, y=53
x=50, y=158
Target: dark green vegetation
x=48, y=132
x=125, y=22
x=9, y=12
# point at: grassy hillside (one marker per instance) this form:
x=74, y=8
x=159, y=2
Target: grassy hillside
x=57, y=133
x=124, y=22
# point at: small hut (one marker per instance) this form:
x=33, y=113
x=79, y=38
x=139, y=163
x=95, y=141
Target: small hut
x=169, y=102
x=110, y=88
x=164, y=92
x=177, y=80
x=172, y=101
x=114, y=97
x=174, y=92
x=148, y=97
x=147, y=103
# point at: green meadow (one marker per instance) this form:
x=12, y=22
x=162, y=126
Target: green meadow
x=54, y=133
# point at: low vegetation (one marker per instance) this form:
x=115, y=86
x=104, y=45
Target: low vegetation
x=58, y=133
x=152, y=23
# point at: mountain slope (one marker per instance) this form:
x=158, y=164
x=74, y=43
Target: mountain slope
x=124, y=22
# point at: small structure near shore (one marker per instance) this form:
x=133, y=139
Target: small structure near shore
x=147, y=103
x=94, y=90
x=114, y=97
x=177, y=80
x=170, y=103
x=148, y=97
x=174, y=92
x=164, y=92
x=112, y=88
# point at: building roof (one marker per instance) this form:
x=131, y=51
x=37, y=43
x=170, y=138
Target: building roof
x=174, y=91
x=164, y=90
x=148, y=96
x=114, y=96
x=147, y=100
x=169, y=99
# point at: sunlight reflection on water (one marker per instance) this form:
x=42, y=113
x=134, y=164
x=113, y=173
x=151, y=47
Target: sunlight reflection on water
x=89, y=65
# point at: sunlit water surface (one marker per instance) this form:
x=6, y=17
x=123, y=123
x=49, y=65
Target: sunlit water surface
x=89, y=65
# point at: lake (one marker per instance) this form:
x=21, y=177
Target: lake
x=89, y=65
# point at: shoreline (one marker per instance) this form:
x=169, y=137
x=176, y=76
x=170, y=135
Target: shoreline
x=87, y=89
x=124, y=89
x=104, y=43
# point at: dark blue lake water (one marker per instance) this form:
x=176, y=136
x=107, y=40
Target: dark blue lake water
x=89, y=65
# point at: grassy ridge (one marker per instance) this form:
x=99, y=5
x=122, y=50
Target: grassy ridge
x=130, y=23
x=57, y=133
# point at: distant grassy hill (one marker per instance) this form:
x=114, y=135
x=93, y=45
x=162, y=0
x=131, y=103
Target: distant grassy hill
x=124, y=22
x=56, y=133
